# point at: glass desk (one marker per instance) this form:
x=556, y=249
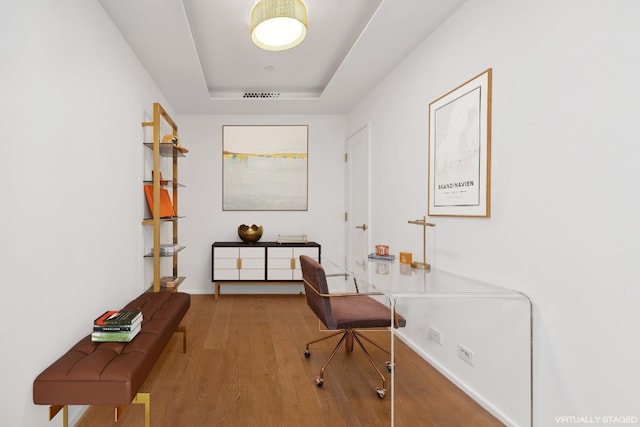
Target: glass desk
x=404, y=288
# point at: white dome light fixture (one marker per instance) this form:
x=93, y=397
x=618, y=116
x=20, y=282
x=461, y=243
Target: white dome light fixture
x=278, y=24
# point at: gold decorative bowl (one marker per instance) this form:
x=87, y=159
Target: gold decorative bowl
x=250, y=234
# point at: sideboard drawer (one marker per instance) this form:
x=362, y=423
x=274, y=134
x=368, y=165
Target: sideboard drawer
x=283, y=263
x=257, y=253
x=226, y=253
x=231, y=274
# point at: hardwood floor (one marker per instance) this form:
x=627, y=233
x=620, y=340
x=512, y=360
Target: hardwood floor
x=245, y=366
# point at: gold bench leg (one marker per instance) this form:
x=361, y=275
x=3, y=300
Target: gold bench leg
x=145, y=399
x=53, y=411
x=118, y=411
x=183, y=331
x=141, y=398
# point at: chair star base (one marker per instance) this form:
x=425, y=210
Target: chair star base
x=348, y=337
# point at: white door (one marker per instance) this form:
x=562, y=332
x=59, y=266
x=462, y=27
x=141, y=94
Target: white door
x=358, y=241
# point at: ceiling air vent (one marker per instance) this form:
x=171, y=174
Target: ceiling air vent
x=261, y=95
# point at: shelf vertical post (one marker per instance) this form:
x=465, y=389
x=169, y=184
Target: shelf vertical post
x=156, y=196
x=175, y=203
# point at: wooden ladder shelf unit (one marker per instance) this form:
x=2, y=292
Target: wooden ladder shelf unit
x=163, y=149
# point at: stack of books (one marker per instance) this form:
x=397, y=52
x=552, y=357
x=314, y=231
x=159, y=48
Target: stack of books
x=117, y=325
x=169, y=281
x=167, y=249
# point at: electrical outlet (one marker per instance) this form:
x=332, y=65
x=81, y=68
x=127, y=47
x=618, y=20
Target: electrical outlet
x=435, y=335
x=465, y=354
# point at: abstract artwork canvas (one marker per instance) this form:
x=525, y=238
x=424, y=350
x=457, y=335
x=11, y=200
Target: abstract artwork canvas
x=264, y=167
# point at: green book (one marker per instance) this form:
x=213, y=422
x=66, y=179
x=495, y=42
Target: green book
x=115, y=336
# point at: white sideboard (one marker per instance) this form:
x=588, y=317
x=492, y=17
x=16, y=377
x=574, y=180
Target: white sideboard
x=238, y=262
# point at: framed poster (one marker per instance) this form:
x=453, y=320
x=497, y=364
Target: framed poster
x=460, y=150
x=264, y=168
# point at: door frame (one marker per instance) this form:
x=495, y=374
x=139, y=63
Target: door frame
x=348, y=189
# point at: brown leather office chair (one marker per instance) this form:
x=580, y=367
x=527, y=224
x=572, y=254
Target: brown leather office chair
x=344, y=313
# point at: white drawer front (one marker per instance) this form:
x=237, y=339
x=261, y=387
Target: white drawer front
x=280, y=274
x=225, y=253
x=219, y=274
x=252, y=253
x=280, y=253
x=297, y=274
x=228, y=263
x=253, y=264
x=279, y=263
x=310, y=252
x=251, y=274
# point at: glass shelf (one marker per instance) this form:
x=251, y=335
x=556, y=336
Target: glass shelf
x=164, y=183
x=175, y=252
x=173, y=288
x=169, y=288
x=149, y=221
x=166, y=149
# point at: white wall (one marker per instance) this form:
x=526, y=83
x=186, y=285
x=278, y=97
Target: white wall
x=565, y=214
x=201, y=200
x=73, y=98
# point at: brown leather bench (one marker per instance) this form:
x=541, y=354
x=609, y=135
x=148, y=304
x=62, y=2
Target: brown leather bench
x=111, y=373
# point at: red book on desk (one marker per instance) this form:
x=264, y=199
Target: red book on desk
x=166, y=207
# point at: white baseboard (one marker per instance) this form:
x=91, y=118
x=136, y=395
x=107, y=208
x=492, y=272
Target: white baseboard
x=78, y=412
x=459, y=383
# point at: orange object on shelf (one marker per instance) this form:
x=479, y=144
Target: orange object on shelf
x=166, y=207
x=406, y=257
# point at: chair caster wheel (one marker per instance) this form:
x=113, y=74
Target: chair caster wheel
x=307, y=354
x=381, y=392
x=319, y=381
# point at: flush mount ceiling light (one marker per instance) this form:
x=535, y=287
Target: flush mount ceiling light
x=278, y=24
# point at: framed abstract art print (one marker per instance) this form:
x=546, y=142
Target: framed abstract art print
x=460, y=150
x=264, y=168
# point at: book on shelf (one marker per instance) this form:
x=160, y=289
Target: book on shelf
x=169, y=281
x=125, y=317
x=166, y=207
x=167, y=249
x=116, y=336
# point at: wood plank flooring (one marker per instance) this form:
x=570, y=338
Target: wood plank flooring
x=245, y=366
